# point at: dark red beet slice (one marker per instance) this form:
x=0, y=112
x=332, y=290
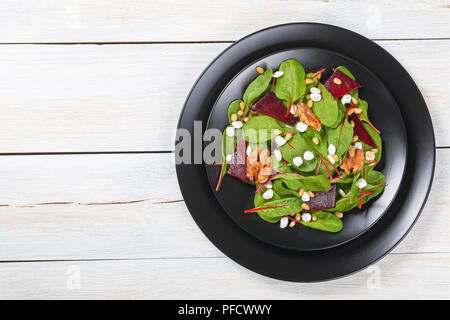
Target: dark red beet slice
x=347, y=85
x=361, y=131
x=237, y=167
x=323, y=199
x=273, y=107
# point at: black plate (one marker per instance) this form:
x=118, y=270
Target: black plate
x=235, y=196
x=350, y=256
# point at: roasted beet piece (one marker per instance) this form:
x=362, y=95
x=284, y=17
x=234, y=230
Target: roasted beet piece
x=323, y=199
x=273, y=107
x=361, y=131
x=237, y=167
x=339, y=90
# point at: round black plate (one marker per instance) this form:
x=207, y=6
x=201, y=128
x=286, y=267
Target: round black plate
x=361, y=251
x=235, y=196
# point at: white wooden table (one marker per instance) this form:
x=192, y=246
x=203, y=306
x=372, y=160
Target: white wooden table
x=90, y=94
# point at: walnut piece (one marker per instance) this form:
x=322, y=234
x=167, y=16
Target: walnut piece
x=306, y=115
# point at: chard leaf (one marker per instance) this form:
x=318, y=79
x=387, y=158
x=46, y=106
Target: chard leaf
x=233, y=108
x=311, y=183
x=280, y=207
x=257, y=87
x=326, y=109
x=297, y=147
x=341, y=137
x=325, y=221
x=290, y=86
x=260, y=129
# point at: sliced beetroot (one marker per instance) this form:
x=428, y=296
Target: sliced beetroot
x=323, y=199
x=339, y=90
x=273, y=107
x=361, y=131
x=237, y=167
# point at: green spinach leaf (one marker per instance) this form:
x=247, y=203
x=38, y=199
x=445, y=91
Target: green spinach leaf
x=292, y=84
x=325, y=221
x=326, y=109
x=257, y=87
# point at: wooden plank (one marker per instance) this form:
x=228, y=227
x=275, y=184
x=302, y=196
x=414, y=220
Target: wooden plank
x=128, y=98
x=135, y=20
x=129, y=206
x=395, y=277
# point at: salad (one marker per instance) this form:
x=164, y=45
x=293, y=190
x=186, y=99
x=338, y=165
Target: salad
x=308, y=147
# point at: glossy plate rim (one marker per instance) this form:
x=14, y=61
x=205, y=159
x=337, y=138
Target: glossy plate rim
x=358, y=253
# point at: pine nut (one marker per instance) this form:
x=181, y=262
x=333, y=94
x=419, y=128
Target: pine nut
x=374, y=151
x=242, y=105
x=350, y=111
x=355, y=138
x=288, y=136
x=305, y=206
x=307, y=97
x=260, y=70
x=357, y=110
x=296, y=115
x=354, y=100
x=351, y=150
x=339, y=214
x=297, y=216
x=311, y=194
x=314, y=218
x=335, y=157
x=319, y=76
x=309, y=80
x=337, y=81
x=309, y=104
x=240, y=113
x=234, y=117
x=246, y=119
x=277, y=132
x=291, y=224
x=371, y=164
x=300, y=192
x=352, y=123
x=315, y=140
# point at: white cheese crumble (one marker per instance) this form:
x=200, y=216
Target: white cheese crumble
x=249, y=151
x=268, y=194
x=306, y=217
x=308, y=155
x=300, y=126
x=306, y=197
x=237, y=124
x=330, y=157
x=346, y=99
x=293, y=109
x=298, y=161
x=277, y=154
x=278, y=74
x=279, y=140
x=361, y=183
x=230, y=131
x=316, y=97
x=284, y=222
x=331, y=149
x=315, y=90
x=358, y=145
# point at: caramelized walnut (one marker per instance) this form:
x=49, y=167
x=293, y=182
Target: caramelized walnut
x=259, y=165
x=306, y=115
x=353, y=163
